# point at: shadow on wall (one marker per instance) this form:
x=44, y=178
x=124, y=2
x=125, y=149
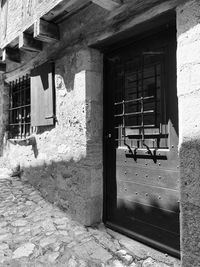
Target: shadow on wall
x=74, y=186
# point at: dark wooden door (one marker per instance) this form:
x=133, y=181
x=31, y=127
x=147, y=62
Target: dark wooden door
x=141, y=139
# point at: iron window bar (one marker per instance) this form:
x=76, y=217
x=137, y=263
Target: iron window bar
x=142, y=112
x=135, y=113
x=19, y=109
x=134, y=100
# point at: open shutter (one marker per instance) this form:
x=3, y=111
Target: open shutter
x=42, y=94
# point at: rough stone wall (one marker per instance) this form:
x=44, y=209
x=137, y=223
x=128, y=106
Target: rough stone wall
x=188, y=77
x=65, y=164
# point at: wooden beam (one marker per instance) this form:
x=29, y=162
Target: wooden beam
x=2, y=66
x=28, y=43
x=46, y=31
x=64, y=8
x=107, y=4
x=12, y=54
x=75, y=4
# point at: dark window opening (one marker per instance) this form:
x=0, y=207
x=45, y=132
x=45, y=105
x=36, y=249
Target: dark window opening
x=139, y=106
x=20, y=108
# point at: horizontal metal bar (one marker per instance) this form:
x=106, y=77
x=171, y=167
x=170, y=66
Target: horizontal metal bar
x=19, y=124
x=135, y=113
x=153, y=53
x=147, y=135
x=134, y=100
x=136, y=126
x=24, y=106
x=135, y=139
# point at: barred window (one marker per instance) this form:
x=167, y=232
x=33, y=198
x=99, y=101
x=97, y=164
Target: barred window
x=20, y=108
x=32, y=101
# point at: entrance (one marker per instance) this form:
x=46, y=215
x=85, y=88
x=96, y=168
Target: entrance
x=141, y=139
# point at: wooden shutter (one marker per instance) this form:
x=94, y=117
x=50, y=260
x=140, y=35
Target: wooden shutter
x=42, y=95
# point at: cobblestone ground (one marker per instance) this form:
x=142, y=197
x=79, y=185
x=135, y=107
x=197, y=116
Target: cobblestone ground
x=34, y=232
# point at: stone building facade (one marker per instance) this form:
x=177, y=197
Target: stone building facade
x=65, y=153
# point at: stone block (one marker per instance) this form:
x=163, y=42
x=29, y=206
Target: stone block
x=189, y=53
x=190, y=218
x=188, y=80
x=190, y=260
x=96, y=185
x=94, y=208
x=189, y=113
x=94, y=86
x=190, y=172
x=89, y=59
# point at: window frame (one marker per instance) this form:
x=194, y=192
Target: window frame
x=20, y=108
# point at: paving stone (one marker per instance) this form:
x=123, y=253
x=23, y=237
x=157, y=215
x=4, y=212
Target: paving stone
x=53, y=256
x=72, y=263
x=116, y=263
x=5, y=236
x=4, y=246
x=61, y=221
x=121, y=252
x=35, y=233
x=152, y=263
x=47, y=241
x=24, y=251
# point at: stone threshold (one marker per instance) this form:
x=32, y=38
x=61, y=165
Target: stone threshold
x=142, y=252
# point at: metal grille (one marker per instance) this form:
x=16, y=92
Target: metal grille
x=19, y=109
x=139, y=108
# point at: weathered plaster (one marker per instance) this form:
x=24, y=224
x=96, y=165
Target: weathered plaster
x=66, y=162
